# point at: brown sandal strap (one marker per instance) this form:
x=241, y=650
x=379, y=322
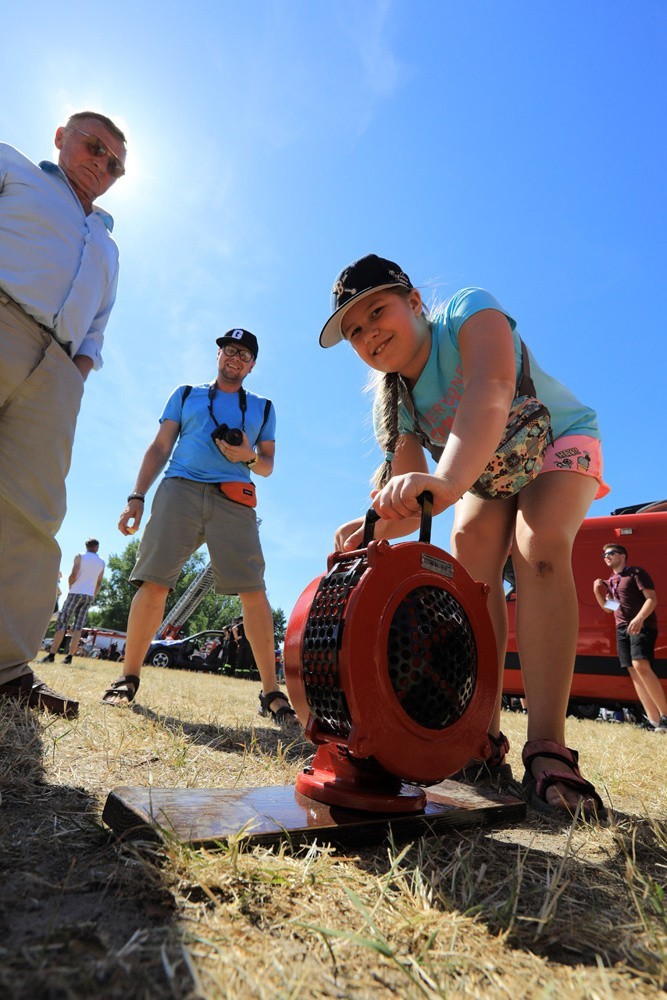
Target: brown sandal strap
x=500, y=746
x=549, y=748
x=574, y=781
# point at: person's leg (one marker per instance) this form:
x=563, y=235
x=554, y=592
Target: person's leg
x=480, y=541
x=258, y=623
x=58, y=637
x=83, y=603
x=550, y=512
x=645, y=699
x=70, y=615
x=236, y=555
x=74, y=641
x=649, y=690
x=146, y=614
x=40, y=394
x=173, y=532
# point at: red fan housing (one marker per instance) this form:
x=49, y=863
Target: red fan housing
x=391, y=665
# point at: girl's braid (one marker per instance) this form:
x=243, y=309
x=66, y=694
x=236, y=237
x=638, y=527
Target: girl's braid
x=387, y=398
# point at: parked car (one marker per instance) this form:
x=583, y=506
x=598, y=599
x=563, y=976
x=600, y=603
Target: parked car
x=599, y=680
x=211, y=652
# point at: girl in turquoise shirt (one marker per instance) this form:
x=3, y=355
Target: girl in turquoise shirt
x=461, y=369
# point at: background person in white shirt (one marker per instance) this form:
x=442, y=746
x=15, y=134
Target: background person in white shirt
x=84, y=584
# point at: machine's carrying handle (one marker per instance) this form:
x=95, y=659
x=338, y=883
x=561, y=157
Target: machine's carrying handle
x=369, y=526
x=426, y=502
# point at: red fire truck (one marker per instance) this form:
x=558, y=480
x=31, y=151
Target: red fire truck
x=598, y=678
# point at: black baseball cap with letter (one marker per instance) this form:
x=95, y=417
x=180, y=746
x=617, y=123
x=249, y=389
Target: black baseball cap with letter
x=241, y=338
x=361, y=278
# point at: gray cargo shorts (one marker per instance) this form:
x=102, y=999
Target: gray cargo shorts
x=184, y=515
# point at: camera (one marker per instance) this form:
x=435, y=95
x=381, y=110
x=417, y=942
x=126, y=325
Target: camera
x=232, y=435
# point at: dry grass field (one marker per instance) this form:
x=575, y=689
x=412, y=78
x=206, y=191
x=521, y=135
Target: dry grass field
x=532, y=910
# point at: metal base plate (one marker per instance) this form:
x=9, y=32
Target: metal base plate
x=209, y=816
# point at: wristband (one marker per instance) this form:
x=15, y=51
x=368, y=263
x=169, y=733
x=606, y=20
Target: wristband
x=253, y=460
x=136, y=496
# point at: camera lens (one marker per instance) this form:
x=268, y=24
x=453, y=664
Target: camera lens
x=233, y=436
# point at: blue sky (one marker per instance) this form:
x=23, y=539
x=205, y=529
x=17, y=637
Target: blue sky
x=519, y=146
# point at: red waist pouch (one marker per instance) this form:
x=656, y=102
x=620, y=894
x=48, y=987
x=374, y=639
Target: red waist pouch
x=240, y=492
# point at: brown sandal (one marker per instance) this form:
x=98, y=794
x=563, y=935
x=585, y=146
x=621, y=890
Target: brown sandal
x=122, y=691
x=535, y=789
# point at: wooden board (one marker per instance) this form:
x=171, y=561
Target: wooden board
x=210, y=816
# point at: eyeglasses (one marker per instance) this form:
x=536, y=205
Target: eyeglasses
x=232, y=351
x=98, y=150
x=611, y=552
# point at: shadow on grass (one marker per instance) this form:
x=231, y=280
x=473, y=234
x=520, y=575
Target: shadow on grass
x=234, y=739
x=547, y=899
x=80, y=914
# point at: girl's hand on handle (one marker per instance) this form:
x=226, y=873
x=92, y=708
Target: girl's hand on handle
x=398, y=499
x=349, y=535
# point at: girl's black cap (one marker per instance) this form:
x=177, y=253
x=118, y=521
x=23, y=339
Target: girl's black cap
x=363, y=277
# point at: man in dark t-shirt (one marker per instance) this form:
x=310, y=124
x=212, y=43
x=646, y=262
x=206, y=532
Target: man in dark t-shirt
x=630, y=596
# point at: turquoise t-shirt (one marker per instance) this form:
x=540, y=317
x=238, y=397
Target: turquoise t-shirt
x=195, y=455
x=439, y=388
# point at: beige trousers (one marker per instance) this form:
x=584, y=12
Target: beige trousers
x=40, y=396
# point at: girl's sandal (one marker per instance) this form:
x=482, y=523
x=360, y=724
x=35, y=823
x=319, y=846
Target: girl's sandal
x=535, y=789
x=283, y=716
x=122, y=691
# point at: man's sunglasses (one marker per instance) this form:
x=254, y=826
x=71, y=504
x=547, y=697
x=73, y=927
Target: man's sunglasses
x=99, y=150
x=611, y=552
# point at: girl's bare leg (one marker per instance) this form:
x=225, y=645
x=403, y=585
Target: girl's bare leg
x=480, y=541
x=550, y=512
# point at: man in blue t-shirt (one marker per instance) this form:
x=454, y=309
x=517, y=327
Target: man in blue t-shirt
x=216, y=435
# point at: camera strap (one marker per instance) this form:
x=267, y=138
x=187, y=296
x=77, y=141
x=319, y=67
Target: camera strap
x=243, y=406
x=243, y=403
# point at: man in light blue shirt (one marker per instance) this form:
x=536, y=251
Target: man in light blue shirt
x=58, y=277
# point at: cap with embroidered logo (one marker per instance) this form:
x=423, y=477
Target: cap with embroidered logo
x=241, y=338
x=363, y=277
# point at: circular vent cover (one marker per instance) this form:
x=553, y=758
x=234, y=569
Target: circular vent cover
x=432, y=657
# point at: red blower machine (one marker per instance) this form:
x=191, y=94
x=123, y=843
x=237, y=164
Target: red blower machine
x=391, y=666
x=390, y=663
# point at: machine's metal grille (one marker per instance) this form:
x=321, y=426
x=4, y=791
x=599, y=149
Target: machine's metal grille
x=432, y=657
x=321, y=644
